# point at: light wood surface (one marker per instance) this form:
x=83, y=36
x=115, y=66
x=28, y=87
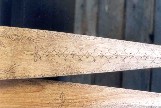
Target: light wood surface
x=27, y=53
x=50, y=94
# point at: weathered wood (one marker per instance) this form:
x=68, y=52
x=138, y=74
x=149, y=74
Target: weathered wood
x=28, y=53
x=5, y=12
x=111, y=18
x=139, y=26
x=41, y=93
x=85, y=23
x=110, y=25
x=156, y=75
x=85, y=17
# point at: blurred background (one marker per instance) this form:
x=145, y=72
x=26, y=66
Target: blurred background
x=134, y=20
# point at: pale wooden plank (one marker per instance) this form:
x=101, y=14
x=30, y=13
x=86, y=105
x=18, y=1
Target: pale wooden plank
x=41, y=93
x=156, y=76
x=139, y=25
x=111, y=25
x=31, y=53
x=85, y=23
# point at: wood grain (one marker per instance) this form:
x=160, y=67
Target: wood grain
x=111, y=18
x=27, y=53
x=85, y=23
x=86, y=17
x=50, y=94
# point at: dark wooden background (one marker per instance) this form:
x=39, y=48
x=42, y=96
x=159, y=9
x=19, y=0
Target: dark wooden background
x=134, y=20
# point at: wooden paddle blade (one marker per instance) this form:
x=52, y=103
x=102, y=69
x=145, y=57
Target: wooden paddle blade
x=41, y=93
x=27, y=53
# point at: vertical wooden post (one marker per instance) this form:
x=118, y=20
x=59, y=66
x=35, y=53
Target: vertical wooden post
x=110, y=25
x=156, y=73
x=139, y=25
x=85, y=17
x=111, y=18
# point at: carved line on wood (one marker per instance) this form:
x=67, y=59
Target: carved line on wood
x=62, y=49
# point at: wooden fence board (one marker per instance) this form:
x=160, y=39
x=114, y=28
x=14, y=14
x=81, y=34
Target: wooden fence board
x=111, y=18
x=139, y=25
x=42, y=93
x=85, y=17
x=28, y=53
x=111, y=25
x=156, y=73
x=59, y=16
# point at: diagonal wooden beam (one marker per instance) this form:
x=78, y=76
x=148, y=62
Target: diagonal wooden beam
x=41, y=93
x=28, y=53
